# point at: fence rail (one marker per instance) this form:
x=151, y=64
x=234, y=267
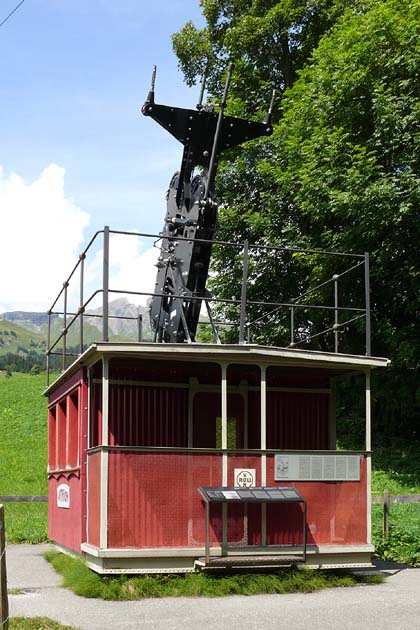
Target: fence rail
x=386, y=501
x=26, y=498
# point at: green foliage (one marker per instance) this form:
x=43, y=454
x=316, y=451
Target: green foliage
x=85, y=583
x=341, y=171
x=269, y=41
x=403, y=542
x=26, y=522
x=23, y=431
x=36, y=623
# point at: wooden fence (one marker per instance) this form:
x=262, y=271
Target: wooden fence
x=387, y=499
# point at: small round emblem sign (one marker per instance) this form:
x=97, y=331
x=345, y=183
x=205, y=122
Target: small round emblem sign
x=244, y=477
x=63, y=496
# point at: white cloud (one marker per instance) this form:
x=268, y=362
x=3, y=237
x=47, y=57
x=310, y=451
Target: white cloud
x=41, y=236
x=131, y=268
x=41, y=233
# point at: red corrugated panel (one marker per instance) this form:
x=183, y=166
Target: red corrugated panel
x=244, y=522
x=64, y=524
x=153, y=499
x=94, y=498
x=148, y=416
x=297, y=421
x=337, y=511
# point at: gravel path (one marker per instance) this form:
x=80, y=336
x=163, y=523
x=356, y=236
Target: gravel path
x=394, y=604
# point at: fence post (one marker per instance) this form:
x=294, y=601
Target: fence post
x=4, y=603
x=387, y=499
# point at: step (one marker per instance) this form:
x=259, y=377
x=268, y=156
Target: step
x=254, y=561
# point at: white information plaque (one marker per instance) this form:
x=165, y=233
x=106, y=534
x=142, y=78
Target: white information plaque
x=326, y=467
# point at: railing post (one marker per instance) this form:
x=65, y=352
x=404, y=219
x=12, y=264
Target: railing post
x=4, y=603
x=387, y=500
x=63, y=361
x=105, y=285
x=292, y=326
x=47, y=367
x=81, y=305
x=243, y=294
x=140, y=327
x=336, y=326
x=367, y=305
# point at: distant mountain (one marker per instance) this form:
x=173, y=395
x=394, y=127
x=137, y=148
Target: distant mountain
x=27, y=319
x=123, y=323
x=23, y=334
x=123, y=320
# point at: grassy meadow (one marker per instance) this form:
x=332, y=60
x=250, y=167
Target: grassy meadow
x=23, y=461
x=23, y=454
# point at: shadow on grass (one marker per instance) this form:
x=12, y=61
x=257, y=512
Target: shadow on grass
x=84, y=582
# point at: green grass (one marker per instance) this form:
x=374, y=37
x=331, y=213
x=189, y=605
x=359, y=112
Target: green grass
x=86, y=583
x=23, y=454
x=23, y=431
x=403, y=542
x=26, y=522
x=37, y=623
x=396, y=468
x=13, y=337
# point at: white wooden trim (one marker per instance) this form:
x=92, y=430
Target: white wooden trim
x=103, y=530
x=224, y=423
x=368, y=446
x=263, y=404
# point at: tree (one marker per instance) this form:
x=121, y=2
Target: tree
x=269, y=41
x=341, y=172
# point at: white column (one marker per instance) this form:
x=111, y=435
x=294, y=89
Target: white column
x=103, y=536
x=368, y=446
x=224, y=424
x=224, y=456
x=263, y=402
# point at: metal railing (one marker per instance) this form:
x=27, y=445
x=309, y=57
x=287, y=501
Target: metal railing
x=286, y=312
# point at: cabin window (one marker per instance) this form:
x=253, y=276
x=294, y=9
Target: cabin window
x=63, y=421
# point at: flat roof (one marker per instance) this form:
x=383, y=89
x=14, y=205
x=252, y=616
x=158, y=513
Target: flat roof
x=215, y=353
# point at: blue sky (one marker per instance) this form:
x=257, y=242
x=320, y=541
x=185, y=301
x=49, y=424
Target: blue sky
x=75, y=151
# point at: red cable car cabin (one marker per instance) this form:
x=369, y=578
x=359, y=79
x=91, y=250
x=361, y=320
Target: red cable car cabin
x=136, y=429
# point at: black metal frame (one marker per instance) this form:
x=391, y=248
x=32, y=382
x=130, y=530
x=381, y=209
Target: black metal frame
x=215, y=495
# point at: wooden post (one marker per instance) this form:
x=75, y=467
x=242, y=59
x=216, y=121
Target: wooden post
x=4, y=603
x=386, y=513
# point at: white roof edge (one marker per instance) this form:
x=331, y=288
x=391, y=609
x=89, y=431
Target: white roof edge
x=214, y=352
x=268, y=352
